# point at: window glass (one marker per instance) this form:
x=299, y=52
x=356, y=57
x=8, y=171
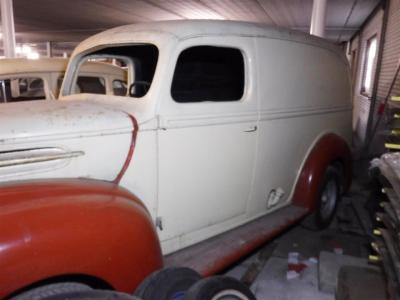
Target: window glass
x=119, y=87
x=92, y=85
x=22, y=89
x=369, y=62
x=206, y=73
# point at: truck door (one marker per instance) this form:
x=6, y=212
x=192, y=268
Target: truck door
x=207, y=140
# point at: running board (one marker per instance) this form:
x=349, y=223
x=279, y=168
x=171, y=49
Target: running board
x=214, y=255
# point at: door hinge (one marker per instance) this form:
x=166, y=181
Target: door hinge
x=159, y=223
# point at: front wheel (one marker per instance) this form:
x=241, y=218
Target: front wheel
x=52, y=290
x=167, y=284
x=327, y=201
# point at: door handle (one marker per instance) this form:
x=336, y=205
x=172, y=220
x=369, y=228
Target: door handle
x=251, y=129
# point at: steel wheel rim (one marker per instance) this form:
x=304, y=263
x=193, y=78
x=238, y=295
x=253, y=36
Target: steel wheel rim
x=328, y=199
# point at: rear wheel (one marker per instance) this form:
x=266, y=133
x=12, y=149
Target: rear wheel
x=327, y=201
x=167, y=284
x=219, y=288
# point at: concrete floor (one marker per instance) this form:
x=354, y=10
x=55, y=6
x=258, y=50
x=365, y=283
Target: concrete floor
x=272, y=281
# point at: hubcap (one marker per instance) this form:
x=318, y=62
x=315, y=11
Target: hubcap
x=328, y=199
x=178, y=296
x=230, y=295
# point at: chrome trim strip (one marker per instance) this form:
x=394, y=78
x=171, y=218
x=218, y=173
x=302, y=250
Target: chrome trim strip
x=30, y=156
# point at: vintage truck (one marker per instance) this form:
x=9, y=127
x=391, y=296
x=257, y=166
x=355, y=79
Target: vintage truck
x=24, y=79
x=229, y=133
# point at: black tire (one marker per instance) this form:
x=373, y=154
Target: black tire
x=219, y=287
x=167, y=284
x=93, y=295
x=46, y=291
x=329, y=195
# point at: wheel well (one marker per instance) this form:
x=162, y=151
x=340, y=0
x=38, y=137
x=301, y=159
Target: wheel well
x=339, y=165
x=92, y=281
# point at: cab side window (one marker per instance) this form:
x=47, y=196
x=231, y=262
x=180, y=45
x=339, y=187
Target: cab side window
x=92, y=85
x=22, y=89
x=119, y=87
x=208, y=73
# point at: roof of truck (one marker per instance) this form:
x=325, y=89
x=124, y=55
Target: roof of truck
x=46, y=64
x=183, y=29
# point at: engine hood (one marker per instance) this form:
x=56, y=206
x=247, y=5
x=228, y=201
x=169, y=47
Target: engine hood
x=57, y=139
x=49, y=119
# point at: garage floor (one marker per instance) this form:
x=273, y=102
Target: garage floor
x=303, y=264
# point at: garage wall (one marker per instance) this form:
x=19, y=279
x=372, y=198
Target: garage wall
x=391, y=51
x=390, y=59
x=361, y=103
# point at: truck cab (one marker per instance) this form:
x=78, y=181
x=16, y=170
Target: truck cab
x=225, y=127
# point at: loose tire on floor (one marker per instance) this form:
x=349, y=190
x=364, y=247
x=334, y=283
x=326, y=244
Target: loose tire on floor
x=167, y=284
x=328, y=198
x=49, y=290
x=219, y=288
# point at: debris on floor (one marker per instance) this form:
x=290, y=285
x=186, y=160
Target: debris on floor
x=330, y=265
x=273, y=283
x=302, y=264
x=352, y=281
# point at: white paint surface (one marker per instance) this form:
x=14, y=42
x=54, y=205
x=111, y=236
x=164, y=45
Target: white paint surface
x=197, y=166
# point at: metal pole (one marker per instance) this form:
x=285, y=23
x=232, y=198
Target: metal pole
x=49, y=49
x=318, y=18
x=8, y=29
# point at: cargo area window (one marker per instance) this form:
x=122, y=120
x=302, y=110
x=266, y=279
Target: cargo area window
x=207, y=73
x=21, y=89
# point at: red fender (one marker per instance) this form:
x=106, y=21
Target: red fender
x=329, y=149
x=69, y=227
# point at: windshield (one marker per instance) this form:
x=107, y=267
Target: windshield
x=139, y=61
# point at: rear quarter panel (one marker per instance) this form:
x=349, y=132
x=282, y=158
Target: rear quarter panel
x=304, y=94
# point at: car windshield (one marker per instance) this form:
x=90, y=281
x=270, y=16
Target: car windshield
x=140, y=60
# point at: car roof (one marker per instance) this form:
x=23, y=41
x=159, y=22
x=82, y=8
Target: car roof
x=24, y=65
x=184, y=29
x=46, y=64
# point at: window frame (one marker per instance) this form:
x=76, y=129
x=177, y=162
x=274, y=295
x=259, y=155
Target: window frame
x=76, y=62
x=39, y=75
x=363, y=89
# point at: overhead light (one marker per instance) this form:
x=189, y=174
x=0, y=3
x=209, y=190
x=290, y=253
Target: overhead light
x=32, y=55
x=24, y=49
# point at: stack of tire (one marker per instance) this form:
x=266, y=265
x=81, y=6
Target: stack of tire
x=165, y=284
